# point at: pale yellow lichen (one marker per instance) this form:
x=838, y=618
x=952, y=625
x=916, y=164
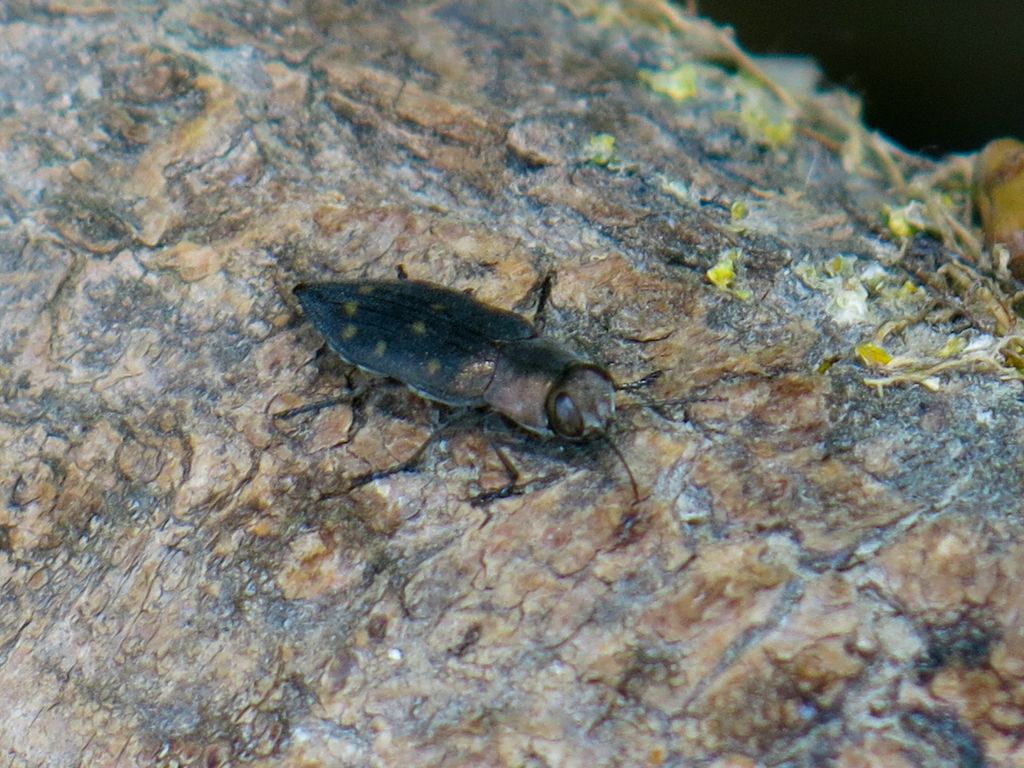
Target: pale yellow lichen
x=677, y=189
x=678, y=84
x=906, y=220
x=873, y=355
x=600, y=149
x=723, y=274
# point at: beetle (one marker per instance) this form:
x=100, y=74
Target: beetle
x=450, y=348
x=453, y=349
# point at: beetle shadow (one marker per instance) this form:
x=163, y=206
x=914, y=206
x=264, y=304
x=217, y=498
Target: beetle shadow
x=524, y=456
x=513, y=446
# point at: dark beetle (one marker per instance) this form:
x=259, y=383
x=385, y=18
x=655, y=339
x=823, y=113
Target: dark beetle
x=448, y=347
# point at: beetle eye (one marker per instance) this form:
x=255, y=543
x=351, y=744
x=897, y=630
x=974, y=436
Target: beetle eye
x=567, y=420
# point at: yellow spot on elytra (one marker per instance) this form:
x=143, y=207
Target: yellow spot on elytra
x=349, y=332
x=350, y=308
x=380, y=348
x=439, y=306
x=364, y=290
x=433, y=366
x=419, y=327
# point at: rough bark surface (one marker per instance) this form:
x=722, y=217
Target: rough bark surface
x=817, y=574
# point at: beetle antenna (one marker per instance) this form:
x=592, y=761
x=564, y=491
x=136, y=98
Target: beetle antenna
x=625, y=465
x=641, y=383
x=543, y=290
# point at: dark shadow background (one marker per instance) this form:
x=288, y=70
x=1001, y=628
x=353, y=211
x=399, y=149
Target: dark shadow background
x=939, y=76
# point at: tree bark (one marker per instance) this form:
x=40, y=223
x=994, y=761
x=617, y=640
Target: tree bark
x=819, y=569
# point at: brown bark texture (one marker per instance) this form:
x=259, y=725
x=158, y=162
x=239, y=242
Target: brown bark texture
x=823, y=568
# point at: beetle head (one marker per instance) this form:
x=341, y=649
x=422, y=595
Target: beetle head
x=581, y=405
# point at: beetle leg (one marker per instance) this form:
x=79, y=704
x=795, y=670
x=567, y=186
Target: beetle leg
x=413, y=461
x=291, y=413
x=352, y=397
x=511, y=488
